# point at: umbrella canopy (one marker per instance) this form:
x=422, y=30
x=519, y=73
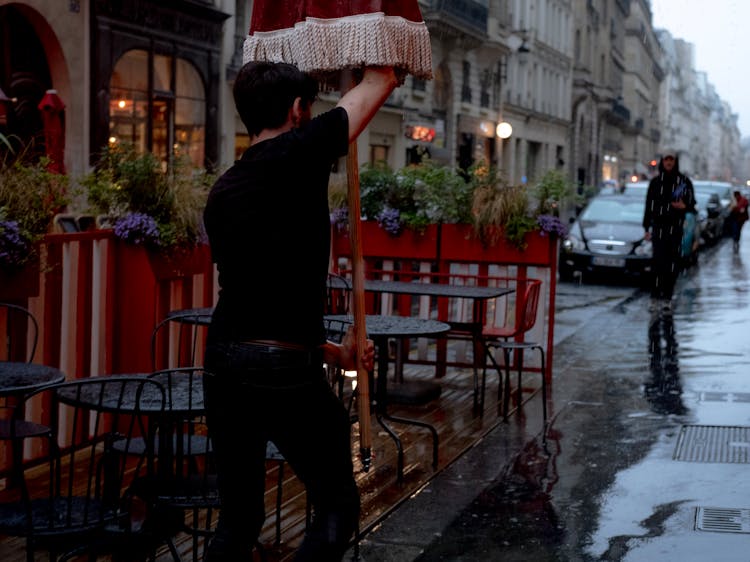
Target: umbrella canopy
x=322, y=37
x=53, y=117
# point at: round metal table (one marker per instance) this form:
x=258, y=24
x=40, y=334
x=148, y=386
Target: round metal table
x=380, y=329
x=17, y=379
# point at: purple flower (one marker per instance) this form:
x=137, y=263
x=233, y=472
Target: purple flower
x=14, y=248
x=137, y=228
x=340, y=218
x=390, y=221
x=551, y=224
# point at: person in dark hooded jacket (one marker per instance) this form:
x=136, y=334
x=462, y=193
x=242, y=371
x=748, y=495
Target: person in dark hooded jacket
x=670, y=195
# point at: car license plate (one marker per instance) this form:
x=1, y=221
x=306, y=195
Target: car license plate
x=608, y=262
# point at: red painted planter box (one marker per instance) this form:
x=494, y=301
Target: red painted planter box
x=377, y=243
x=19, y=284
x=180, y=263
x=144, y=284
x=458, y=242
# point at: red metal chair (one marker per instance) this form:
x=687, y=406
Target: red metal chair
x=510, y=338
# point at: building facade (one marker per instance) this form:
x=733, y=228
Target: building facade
x=583, y=86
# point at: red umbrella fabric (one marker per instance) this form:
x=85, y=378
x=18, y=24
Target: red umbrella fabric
x=53, y=118
x=326, y=36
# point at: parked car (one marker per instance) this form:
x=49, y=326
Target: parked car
x=637, y=188
x=711, y=212
x=716, y=206
x=607, y=238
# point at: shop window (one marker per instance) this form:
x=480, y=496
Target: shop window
x=167, y=118
x=378, y=153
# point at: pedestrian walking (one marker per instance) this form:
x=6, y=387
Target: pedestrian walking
x=737, y=217
x=670, y=195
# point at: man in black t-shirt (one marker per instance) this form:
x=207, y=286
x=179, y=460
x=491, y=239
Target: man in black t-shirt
x=268, y=224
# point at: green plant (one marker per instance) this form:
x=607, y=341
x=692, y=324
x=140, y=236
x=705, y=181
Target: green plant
x=552, y=191
x=413, y=197
x=30, y=197
x=499, y=209
x=423, y=194
x=134, y=191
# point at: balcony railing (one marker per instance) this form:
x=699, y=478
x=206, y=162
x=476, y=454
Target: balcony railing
x=466, y=16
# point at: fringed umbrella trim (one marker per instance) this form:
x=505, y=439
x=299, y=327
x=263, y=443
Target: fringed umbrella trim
x=322, y=46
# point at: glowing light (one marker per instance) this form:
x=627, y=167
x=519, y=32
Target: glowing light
x=504, y=130
x=121, y=104
x=633, y=178
x=420, y=133
x=112, y=140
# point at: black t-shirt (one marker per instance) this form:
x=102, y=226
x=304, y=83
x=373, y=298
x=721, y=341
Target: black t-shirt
x=268, y=225
x=663, y=189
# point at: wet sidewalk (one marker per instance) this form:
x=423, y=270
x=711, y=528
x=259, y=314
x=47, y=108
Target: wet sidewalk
x=645, y=457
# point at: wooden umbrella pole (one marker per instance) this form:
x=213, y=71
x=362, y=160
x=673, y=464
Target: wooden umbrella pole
x=358, y=304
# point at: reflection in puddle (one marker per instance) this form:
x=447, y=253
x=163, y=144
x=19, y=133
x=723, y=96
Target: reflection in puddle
x=663, y=389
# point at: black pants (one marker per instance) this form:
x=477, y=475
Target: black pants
x=667, y=246
x=736, y=228
x=252, y=398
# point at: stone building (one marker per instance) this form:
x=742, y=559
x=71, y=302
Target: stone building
x=577, y=85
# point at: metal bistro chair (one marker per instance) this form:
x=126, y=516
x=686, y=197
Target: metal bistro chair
x=186, y=480
x=338, y=296
x=178, y=340
x=74, y=502
x=184, y=483
x=176, y=343
x=510, y=339
x=19, y=336
x=19, y=333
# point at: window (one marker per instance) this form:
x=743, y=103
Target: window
x=465, y=87
x=167, y=118
x=378, y=153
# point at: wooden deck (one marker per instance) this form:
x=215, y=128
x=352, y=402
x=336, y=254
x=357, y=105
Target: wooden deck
x=458, y=426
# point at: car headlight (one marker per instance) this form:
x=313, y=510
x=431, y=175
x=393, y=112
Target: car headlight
x=572, y=243
x=645, y=248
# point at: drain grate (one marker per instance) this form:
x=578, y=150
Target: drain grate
x=713, y=443
x=710, y=396
x=722, y=520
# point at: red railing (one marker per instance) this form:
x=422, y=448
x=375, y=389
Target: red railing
x=453, y=253
x=99, y=299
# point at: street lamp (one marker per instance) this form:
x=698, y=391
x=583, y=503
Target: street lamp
x=504, y=130
x=516, y=43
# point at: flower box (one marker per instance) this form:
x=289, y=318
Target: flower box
x=21, y=283
x=148, y=285
x=376, y=242
x=458, y=242
x=176, y=264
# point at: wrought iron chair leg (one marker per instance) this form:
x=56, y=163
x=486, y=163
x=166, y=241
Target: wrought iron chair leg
x=499, y=370
x=506, y=389
x=280, y=482
x=544, y=385
x=519, y=388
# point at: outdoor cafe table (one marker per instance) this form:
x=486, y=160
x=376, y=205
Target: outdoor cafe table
x=17, y=379
x=184, y=400
x=381, y=329
x=479, y=295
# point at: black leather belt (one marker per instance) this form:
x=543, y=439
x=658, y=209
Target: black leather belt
x=279, y=344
